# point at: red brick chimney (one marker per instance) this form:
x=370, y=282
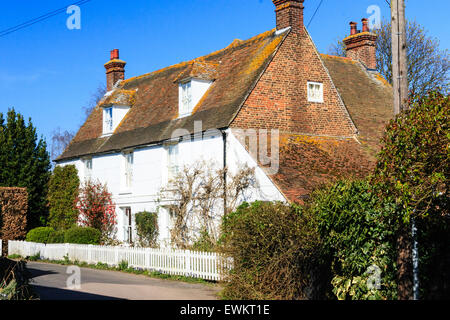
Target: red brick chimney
x=289, y=14
x=361, y=45
x=115, y=70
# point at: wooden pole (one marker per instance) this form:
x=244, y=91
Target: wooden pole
x=399, y=56
x=403, y=62
x=400, y=84
x=395, y=56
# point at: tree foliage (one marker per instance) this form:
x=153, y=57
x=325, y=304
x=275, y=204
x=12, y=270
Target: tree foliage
x=414, y=161
x=25, y=162
x=96, y=209
x=199, y=195
x=62, y=193
x=147, y=228
x=60, y=141
x=62, y=138
x=428, y=65
x=359, y=234
x=413, y=167
x=276, y=251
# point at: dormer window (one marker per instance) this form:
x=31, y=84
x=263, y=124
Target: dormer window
x=191, y=92
x=108, y=120
x=315, y=92
x=186, y=99
x=112, y=116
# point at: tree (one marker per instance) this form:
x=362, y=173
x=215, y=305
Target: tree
x=413, y=168
x=95, y=99
x=199, y=195
x=25, y=162
x=62, y=193
x=96, y=209
x=60, y=141
x=428, y=66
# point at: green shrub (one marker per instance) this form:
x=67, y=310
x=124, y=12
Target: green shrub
x=147, y=228
x=276, y=250
x=204, y=243
x=40, y=235
x=82, y=235
x=123, y=265
x=62, y=192
x=358, y=229
x=57, y=237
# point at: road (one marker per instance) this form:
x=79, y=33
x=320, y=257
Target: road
x=50, y=282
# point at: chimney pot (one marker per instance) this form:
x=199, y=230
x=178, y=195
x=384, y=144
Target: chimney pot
x=365, y=23
x=114, y=54
x=353, y=26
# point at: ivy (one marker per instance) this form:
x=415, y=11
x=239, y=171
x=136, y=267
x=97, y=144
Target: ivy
x=358, y=231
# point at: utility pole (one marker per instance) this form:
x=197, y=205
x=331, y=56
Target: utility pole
x=399, y=56
x=407, y=257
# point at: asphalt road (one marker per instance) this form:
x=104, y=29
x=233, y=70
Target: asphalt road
x=50, y=282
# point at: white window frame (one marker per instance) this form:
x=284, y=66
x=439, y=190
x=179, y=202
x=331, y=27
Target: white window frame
x=88, y=164
x=173, y=164
x=108, y=120
x=128, y=170
x=186, y=98
x=317, y=96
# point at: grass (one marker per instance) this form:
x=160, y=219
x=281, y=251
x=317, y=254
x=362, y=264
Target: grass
x=123, y=267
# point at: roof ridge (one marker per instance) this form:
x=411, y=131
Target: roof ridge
x=201, y=58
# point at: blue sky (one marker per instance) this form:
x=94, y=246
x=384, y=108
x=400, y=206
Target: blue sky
x=48, y=72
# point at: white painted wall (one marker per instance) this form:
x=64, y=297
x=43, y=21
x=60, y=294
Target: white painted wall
x=150, y=174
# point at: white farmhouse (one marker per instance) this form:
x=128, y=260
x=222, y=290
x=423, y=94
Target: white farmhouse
x=322, y=116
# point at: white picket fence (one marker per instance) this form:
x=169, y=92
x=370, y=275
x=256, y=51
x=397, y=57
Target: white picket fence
x=1, y=247
x=204, y=265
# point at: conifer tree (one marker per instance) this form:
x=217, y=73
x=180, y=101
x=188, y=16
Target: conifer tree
x=25, y=162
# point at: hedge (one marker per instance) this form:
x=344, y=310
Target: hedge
x=82, y=235
x=40, y=235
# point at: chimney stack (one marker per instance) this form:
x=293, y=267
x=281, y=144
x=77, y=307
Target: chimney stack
x=362, y=45
x=115, y=70
x=289, y=14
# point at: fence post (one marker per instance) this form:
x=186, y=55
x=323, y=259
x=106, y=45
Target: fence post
x=89, y=254
x=147, y=258
x=66, y=250
x=116, y=255
x=188, y=262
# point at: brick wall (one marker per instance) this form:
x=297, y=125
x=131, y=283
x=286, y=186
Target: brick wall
x=279, y=100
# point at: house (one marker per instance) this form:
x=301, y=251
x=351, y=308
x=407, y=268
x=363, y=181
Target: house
x=323, y=116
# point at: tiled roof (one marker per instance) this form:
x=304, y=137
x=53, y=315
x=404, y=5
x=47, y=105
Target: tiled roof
x=307, y=162
x=154, y=115
x=367, y=96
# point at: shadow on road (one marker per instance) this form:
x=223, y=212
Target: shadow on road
x=36, y=273
x=48, y=293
